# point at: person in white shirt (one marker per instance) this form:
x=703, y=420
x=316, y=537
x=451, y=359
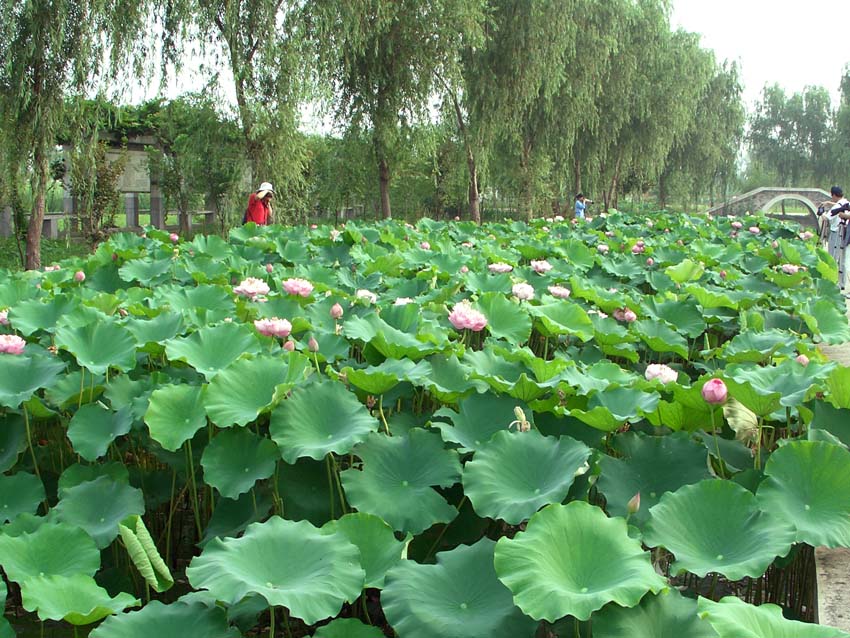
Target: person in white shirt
x=837, y=217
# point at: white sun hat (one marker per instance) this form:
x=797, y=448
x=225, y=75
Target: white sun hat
x=264, y=189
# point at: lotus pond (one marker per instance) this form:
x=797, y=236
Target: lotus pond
x=621, y=428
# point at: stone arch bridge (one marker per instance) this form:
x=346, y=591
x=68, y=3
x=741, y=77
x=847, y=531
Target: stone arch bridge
x=766, y=197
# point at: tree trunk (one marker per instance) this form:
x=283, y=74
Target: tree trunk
x=384, y=176
x=615, y=182
x=41, y=169
x=662, y=191
x=527, y=187
x=474, y=198
x=576, y=176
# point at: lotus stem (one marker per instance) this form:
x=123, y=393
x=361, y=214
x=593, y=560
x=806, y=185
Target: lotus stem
x=170, y=518
x=82, y=387
x=443, y=532
x=758, y=444
x=335, y=469
x=720, y=463
x=32, y=452
x=330, y=484
x=286, y=622
x=271, y=621
x=381, y=413
x=713, y=585
x=365, y=606
x=194, y=489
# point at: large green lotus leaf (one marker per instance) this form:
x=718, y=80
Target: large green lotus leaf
x=6, y=630
x=19, y=493
x=792, y=382
x=78, y=473
x=710, y=297
x=175, y=413
x=379, y=549
x=158, y=329
x=733, y=618
x=122, y=391
x=389, y=341
x=290, y=564
x=99, y=506
x=836, y=421
x=479, y=417
x=563, y=318
x=52, y=549
x=397, y=478
x=66, y=393
x=596, y=377
x=94, y=427
x=232, y=517
x=236, y=459
x=458, y=597
x=808, y=485
x=608, y=409
x=76, y=599
x=506, y=376
x=346, y=628
x=178, y=620
x=21, y=376
x=13, y=439
x=212, y=245
x=759, y=401
x=516, y=473
x=716, y=526
x=306, y=491
x=661, y=338
x=571, y=561
x=382, y=378
x=684, y=315
x=148, y=272
x=650, y=466
x=757, y=347
x=99, y=346
x=685, y=270
x=30, y=316
x=213, y=348
x=838, y=384
x=252, y=386
x=665, y=615
x=448, y=379
x=505, y=319
x=318, y=419
x=826, y=321
x=202, y=305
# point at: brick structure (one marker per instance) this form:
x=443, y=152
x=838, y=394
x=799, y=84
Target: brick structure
x=764, y=198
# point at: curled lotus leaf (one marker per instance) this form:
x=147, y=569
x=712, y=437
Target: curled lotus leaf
x=379, y=549
x=664, y=615
x=732, y=617
x=76, y=599
x=178, y=620
x=347, y=628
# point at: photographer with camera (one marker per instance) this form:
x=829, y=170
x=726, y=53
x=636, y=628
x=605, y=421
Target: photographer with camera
x=581, y=206
x=839, y=235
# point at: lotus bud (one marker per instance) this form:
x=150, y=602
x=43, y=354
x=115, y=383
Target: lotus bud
x=79, y=276
x=313, y=345
x=269, y=268
x=174, y=237
x=464, y=270
x=336, y=311
x=313, y=226
x=289, y=346
x=802, y=359
x=633, y=505
x=650, y=261
x=723, y=274
x=714, y=391
x=425, y=245
x=521, y=423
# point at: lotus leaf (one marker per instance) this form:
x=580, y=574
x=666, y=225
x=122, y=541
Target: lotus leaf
x=98, y=507
x=397, y=478
x=19, y=493
x=158, y=329
x=571, y=561
x=21, y=375
x=236, y=459
x=791, y=381
x=232, y=517
x=305, y=491
x=479, y=417
x=448, y=379
x=379, y=549
x=13, y=439
x=51, y=549
x=347, y=628
x=716, y=526
x=144, y=554
x=6, y=630
x=379, y=379
x=318, y=419
x=517, y=473
x=76, y=599
x=99, y=346
x=77, y=473
x=175, y=413
x=824, y=319
x=732, y=617
x=808, y=485
x=458, y=597
x=145, y=271
x=563, y=318
x=505, y=319
x=94, y=427
x=33, y=315
x=213, y=348
x=660, y=337
x=390, y=342
x=665, y=615
x=178, y=620
x=290, y=564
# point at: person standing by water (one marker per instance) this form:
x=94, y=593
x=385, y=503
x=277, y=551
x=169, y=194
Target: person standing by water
x=581, y=206
x=259, y=208
x=837, y=217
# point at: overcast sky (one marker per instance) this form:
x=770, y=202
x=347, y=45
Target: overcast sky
x=795, y=43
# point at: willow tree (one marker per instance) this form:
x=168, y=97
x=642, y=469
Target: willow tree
x=380, y=57
x=48, y=48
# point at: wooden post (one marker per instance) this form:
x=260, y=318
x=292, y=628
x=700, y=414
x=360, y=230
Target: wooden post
x=6, y=222
x=131, y=209
x=157, y=211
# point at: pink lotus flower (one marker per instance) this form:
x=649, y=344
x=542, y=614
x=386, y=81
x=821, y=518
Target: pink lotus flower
x=659, y=371
x=541, y=266
x=174, y=237
x=774, y=244
x=313, y=226
x=252, y=288
x=714, y=391
x=289, y=345
x=402, y=301
x=523, y=291
x=464, y=317
x=4, y=317
x=560, y=292
x=609, y=233
x=802, y=359
x=625, y=314
x=500, y=267
x=755, y=230
x=637, y=250
x=368, y=295
x=425, y=245
x=603, y=248
x=806, y=235
x=11, y=344
x=79, y=276
x=298, y=287
x=650, y=261
x=737, y=225
x=722, y=274
x=640, y=243
x=52, y=268
x=790, y=269
x=336, y=311
x=273, y=327
x=464, y=269
x=269, y=268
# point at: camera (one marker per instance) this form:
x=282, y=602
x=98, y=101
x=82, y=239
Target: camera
x=588, y=201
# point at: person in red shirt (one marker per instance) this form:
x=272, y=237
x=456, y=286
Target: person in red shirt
x=259, y=208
